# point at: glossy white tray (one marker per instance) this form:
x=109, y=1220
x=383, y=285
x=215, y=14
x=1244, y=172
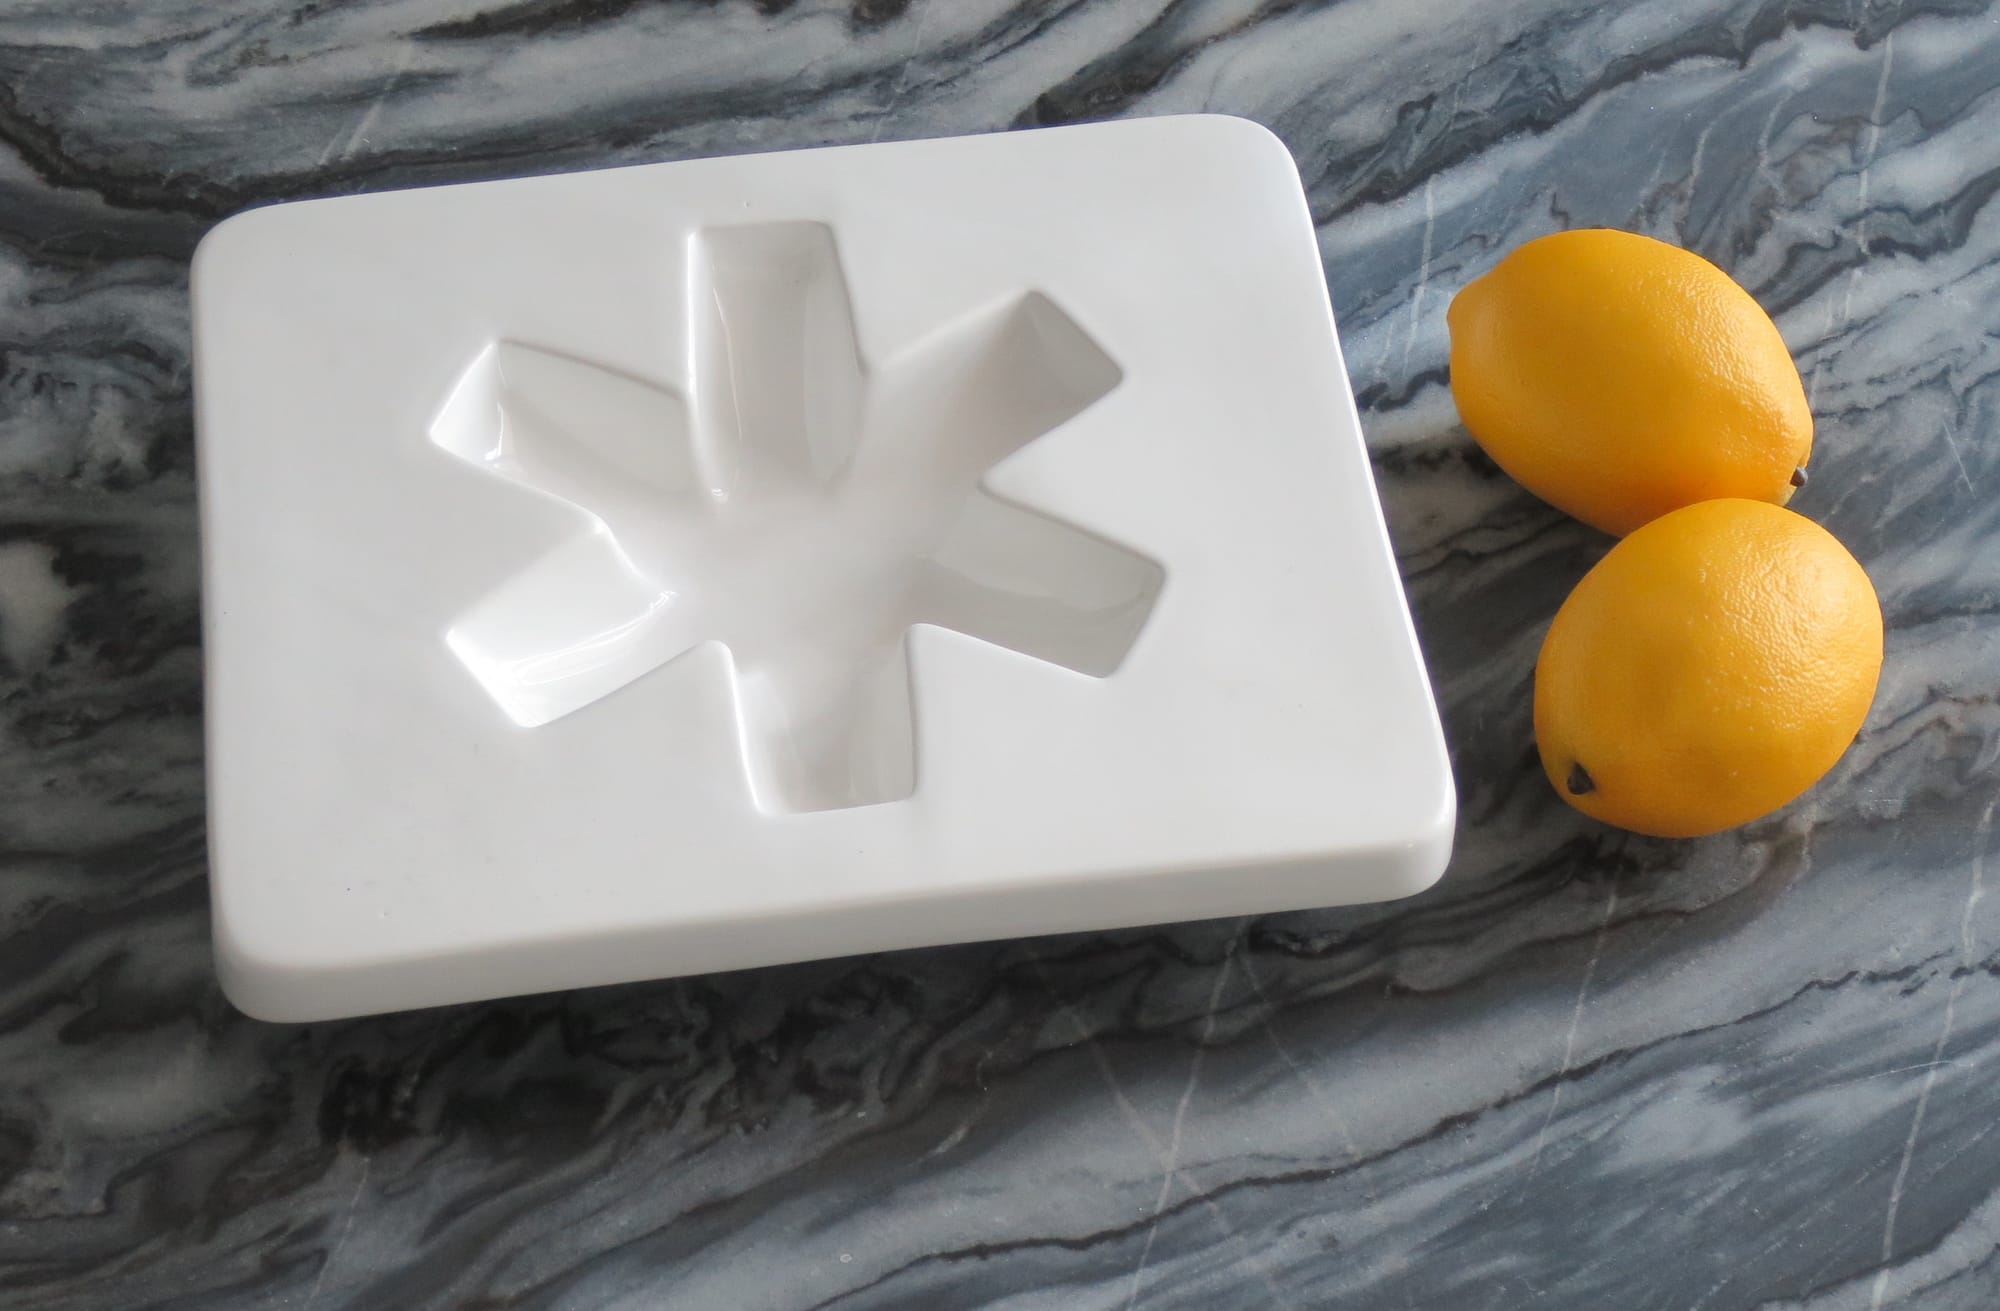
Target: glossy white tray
x=704, y=565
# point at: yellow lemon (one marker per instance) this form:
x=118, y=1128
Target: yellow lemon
x=1618, y=377
x=1709, y=670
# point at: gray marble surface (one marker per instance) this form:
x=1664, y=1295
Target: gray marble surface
x=1587, y=1071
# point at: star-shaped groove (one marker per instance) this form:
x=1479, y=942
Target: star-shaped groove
x=798, y=508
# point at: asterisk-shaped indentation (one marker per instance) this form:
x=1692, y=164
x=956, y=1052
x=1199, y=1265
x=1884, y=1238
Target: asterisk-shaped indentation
x=797, y=508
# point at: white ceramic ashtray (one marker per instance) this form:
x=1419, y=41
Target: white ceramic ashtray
x=703, y=565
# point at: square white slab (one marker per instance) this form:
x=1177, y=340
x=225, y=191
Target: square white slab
x=703, y=565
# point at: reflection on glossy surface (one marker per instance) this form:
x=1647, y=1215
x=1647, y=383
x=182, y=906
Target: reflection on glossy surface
x=802, y=510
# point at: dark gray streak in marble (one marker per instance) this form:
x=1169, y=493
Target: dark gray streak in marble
x=1587, y=1071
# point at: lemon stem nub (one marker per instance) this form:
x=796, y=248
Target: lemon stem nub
x=1580, y=781
x=1799, y=476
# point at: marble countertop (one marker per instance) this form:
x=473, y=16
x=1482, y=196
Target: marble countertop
x=1586, y=1071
